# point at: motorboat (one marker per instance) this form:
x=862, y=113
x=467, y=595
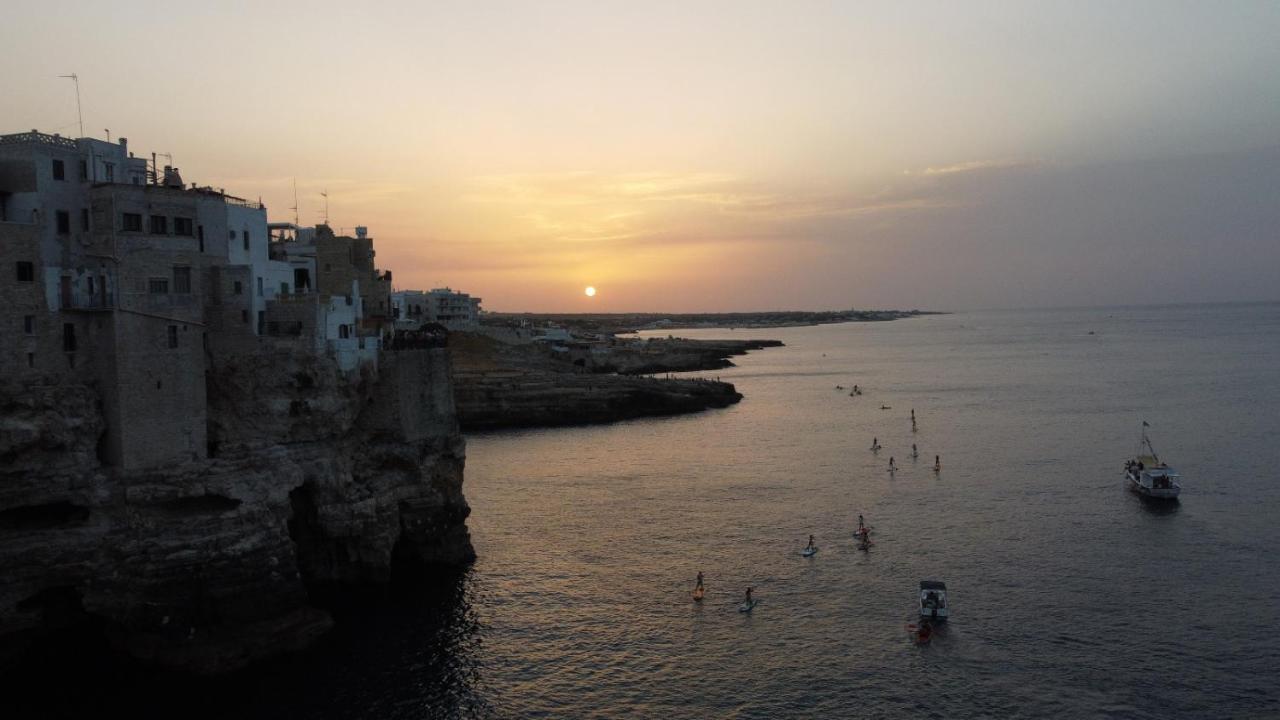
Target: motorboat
x=933, y=600
x=1148, y=475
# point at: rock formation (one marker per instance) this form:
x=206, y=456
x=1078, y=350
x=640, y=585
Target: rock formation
x=500, y=385
x=314, y=478
x=512, y=399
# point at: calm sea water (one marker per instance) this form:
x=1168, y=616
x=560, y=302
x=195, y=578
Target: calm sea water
x=1071, y=597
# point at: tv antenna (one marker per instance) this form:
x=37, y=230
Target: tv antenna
x=79, y=115
x=295, y=201
x=325, y=194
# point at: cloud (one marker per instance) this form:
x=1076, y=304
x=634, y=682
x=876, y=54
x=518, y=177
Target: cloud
x=975, y=166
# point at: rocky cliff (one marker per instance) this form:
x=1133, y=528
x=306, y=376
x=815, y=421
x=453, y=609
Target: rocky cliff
x=513, y=399
x=499, y=385
x=313, y=479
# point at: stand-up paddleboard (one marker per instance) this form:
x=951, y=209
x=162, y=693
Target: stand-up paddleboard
x=809, y=551
x=748, y=606
x=698, y=593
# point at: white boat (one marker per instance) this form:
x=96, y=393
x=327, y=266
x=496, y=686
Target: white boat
x=933, y=600
x=1148, y=475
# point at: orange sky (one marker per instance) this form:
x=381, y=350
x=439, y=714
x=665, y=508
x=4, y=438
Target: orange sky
x=706, y=156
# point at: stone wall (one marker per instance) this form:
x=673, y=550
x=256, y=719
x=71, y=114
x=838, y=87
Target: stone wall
x=314, y=478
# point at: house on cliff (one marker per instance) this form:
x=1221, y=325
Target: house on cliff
x=121, y=275
x=445, y=306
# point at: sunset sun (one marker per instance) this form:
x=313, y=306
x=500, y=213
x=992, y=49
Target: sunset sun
x=590, y=291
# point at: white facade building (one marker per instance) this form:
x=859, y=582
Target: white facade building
x=454, y=310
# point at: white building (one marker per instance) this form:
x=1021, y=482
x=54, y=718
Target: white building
x=454, y=310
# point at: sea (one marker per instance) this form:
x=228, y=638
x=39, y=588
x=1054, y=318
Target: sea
x=1070, y=596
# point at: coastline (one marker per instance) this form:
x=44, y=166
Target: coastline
x=506, y=386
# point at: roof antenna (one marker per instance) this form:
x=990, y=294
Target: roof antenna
x=80, y=116
x=295, y=201
x=325, y=194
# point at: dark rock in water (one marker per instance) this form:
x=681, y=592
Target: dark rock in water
x=495, y=401
x=313, y=478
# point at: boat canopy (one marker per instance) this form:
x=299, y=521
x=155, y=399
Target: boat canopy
x=932, y=585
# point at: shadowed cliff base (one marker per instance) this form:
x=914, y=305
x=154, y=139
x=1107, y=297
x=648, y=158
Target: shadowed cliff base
x=385, y=638
x=501, y=385
x=314, y=479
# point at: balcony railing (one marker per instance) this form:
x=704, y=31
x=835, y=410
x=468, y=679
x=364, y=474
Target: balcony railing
x=84, y=304
x=37, y=137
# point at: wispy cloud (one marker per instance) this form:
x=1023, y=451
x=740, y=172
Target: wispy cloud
x=974, y=166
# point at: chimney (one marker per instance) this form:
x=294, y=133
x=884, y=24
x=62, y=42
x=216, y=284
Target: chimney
x=124, y=144
x=172, y=179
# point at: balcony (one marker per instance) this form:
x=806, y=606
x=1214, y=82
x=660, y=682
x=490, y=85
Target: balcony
x=38, y=137
x=86, y=304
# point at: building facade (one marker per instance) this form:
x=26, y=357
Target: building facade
x=454, y=310
x=120, y=276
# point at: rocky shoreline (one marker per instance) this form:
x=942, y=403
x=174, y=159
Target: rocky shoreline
x=665, y=355
x=508, y=400
x=504, y=386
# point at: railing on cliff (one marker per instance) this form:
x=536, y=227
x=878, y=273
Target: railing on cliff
x=416, y=340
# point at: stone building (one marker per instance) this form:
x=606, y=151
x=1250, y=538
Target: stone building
x=126, y=277
x=454, y=310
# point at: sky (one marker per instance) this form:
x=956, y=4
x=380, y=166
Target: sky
x=712, y=156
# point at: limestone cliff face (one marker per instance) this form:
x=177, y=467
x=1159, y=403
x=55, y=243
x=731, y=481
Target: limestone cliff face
x=313, y=479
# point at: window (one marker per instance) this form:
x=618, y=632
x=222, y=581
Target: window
x=200, y=236
x=59, y=170
x=245, y=235
x=29, y=324
x=31, y=360
x=131, y=222
x=182, y=279
x=173, y=336
x=259, y=287
x=68, y=337
x=84, y=219
x=233, y=234
x=109, y=169
x=244, y=316
x=159, y=225
x=26, y=271
x=84, y=171
x=239, y=287
x=183, y=226
x=158, y=286
x=284, y=288
x=90, y=280
x=64, y=222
